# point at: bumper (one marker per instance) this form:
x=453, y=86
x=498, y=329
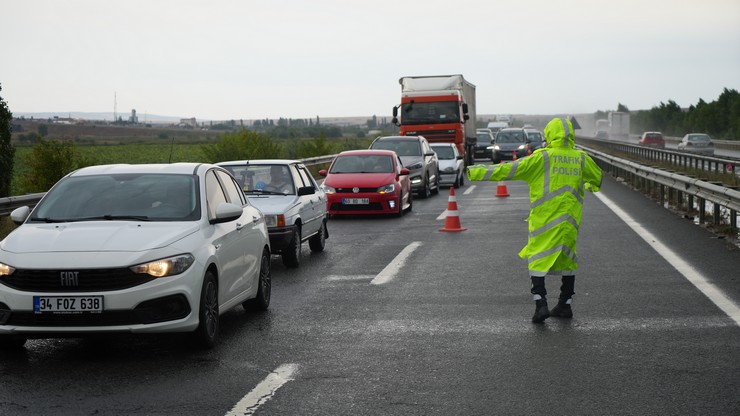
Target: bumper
x=446, y=178
x=482, y=153
x=162, y=305
x=280, y=237
x=508, y=154
x=338, y=204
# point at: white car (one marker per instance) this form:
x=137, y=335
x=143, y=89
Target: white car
x=133, y=248
x=293, y=203
x=451, y=165
x=698, y=143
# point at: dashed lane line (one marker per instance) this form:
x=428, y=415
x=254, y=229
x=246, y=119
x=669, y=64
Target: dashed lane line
x=264, y=391
x=390, y=271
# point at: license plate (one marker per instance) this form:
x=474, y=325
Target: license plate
x=67, y=304
x=356, y=201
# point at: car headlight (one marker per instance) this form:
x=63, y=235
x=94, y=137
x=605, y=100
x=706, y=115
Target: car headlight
x=275, y=220
x=328, y=189
x=415, y=166
x=6, y=270
x=165, y=267
x=522, y=146
x=387, y=189
x=496, y=148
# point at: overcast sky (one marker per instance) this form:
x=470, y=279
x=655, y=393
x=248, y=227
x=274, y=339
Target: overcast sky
x=247, y=59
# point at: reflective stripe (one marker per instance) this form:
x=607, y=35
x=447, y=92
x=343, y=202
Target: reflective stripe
x=562, y=247
x=512, y=171
x=552, y=224
x=537, y=273
x=550, y=195
x=566, y=131
x=489, y=172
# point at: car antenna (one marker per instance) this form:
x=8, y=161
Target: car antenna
x=172, y=144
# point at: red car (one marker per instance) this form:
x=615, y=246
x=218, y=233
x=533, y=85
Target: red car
x=652, y=139
x=367, y=182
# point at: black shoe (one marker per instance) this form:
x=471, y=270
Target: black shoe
x=562, y=310
x=540, y=311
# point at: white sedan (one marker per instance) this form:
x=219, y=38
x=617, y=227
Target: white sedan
x=133, y=248
x=451, y=166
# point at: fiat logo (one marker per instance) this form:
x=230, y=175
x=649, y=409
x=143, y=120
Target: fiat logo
x=355, y=190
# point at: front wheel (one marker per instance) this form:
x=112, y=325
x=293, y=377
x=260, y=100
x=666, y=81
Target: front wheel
x=264, y=286
x=318, y=241
x=292, y=254
x=11, y=342
x=207, y=332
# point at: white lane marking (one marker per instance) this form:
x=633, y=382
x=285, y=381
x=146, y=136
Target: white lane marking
x=389, y=272
x=469, y=190
x=688, y=271
x=264, y=391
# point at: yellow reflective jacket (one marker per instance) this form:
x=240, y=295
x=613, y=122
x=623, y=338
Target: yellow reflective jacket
x=557, y=176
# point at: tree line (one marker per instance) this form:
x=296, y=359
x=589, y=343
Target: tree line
x=720, y=118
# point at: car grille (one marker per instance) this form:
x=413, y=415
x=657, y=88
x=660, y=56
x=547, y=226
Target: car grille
x=87, y=280
x=107, y=318
x=373, y=206
x=361, y=190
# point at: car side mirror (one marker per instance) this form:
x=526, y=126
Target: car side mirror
x=405, y=171
x=459, y=157
x=19, y=215
x=306, y=190
x=227, y=212
x=322, y=172
x=429, y=154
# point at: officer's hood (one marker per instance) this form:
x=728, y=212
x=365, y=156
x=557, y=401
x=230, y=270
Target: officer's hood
x=559, y=133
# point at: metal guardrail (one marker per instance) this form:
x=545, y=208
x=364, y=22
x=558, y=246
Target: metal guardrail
x=674, y=188
x=674, y=157
x=8, y=204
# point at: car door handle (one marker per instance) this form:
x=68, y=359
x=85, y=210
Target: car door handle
x=239, y=226
x=255, y=219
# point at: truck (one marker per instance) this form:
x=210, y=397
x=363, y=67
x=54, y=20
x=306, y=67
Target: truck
x=619, y=125
x=441, y=108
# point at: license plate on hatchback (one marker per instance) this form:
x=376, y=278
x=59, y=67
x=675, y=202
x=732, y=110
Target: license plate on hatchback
x=67, y=304
x=356, y=201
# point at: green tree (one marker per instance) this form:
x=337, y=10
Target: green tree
x=7, y=150
x=243, y=144
x=49, y=161
x=318, y=146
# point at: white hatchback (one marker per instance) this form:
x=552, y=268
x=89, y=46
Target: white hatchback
x=133, y=248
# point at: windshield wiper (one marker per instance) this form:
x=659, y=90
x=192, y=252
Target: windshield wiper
x=109, y=217
x=263, y=192
x=48, y=220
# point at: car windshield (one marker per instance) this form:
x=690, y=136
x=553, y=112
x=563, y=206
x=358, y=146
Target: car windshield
x=699, y=138
x=535, y=137
x=402, y=147
x=509, y=138
x=486, y=138
x=362, y=164
x=263, y=178
x=444, y=152
x=136, y=197
x=433, y=112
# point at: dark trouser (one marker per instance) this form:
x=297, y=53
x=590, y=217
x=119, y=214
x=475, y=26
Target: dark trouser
x=567, y=288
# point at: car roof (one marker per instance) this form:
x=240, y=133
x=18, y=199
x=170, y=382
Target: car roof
x=511, y=129
x=360, y=152
x=399, y=138
x=258, y=162
x=183, y=168
x=441, y=144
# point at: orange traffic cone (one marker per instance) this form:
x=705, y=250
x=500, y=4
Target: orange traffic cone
x=452, y=222
x=501, y=189
x=513, y=157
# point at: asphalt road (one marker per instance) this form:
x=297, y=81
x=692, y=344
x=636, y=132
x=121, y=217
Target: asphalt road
x=397, y=318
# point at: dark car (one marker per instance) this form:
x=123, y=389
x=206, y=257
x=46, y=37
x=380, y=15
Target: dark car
x=418, y=157
x=484, y=140
x=535, y=139
x=652, y=139
x=509, y=142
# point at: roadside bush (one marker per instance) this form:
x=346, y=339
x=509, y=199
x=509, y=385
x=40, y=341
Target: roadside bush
x=49, y=161
x=244, y=144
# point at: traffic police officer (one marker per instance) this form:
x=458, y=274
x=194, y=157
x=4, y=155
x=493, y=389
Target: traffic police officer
x=557, y=176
